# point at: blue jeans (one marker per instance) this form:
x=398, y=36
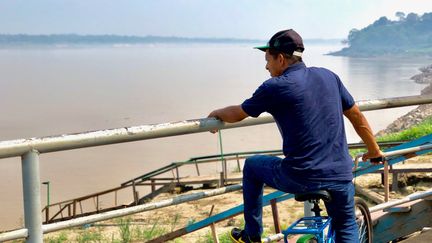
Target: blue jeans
x=261, y=169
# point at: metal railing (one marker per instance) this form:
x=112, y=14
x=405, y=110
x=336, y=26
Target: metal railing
x=73, y=208
x=29, y=150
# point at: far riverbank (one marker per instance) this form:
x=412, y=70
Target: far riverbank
x=420, y=113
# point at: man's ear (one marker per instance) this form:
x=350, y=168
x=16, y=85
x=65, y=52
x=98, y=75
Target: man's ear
x=281, y=58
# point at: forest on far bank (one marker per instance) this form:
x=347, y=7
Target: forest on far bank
x=410, y=34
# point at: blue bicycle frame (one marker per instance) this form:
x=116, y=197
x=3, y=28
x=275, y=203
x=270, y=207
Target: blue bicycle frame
x=312, y=226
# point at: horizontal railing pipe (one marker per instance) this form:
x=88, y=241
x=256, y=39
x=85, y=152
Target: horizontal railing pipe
x=408, y=150
x=369, y=105
x=412, y=197
x=13, y=235
x=18, y=147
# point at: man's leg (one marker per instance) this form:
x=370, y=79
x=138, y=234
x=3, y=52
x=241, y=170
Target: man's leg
x=341, y=209
x=259, y=170
x=256, y=170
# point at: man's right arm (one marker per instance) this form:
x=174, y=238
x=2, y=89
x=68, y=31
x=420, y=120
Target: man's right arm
x=361, y=126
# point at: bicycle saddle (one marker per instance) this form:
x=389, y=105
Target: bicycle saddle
x=313, y=195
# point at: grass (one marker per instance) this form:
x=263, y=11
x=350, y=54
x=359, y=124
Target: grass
x=126, y=233
x=208, y=238
x=91, y=235
x=58, y=239
x=422, y=129
x=417, y=131
x=145, y=234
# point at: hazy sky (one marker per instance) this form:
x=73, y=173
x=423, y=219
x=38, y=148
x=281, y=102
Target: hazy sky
x=257, y=19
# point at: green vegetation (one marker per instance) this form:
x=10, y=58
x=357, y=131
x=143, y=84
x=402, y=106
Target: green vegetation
x=126, y=233
x=148, y=234
x=124, y=228
x=417, y=131
x=208, y=238
x=59, y=239
x=409, y=35
x=91, y=235
x=422, y=129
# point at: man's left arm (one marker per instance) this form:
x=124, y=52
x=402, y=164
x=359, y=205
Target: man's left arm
x=234, y=113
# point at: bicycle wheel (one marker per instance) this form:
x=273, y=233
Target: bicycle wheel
x=364, y=221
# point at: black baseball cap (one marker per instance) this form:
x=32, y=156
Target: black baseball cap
x=286, y=41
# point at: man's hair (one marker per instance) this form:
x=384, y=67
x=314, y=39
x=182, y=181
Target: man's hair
x=274, y=53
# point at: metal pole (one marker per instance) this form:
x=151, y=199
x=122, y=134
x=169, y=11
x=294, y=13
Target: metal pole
x=412, y=197
x=47, y=183
x=18, y=147
x=31, y=192
x=213, y=227
x=197, y=169
x=307, y=207
x=224, y=167
x=275, y=213
x=307, y=210
x=386, y=181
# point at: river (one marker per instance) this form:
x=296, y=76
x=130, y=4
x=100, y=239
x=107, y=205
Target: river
x=49, y=91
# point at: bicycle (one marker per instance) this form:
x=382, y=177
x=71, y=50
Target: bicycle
x=319, y=229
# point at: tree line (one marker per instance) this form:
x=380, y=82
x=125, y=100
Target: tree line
x=410, y=34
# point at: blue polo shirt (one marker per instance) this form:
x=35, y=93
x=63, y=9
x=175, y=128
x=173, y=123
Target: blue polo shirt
x=307, y=104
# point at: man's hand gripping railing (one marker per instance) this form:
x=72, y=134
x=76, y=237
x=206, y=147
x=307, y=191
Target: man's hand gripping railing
x=408, y=153
x=374, y=161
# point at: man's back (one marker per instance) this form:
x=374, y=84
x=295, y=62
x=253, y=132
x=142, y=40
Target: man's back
x=308, y=104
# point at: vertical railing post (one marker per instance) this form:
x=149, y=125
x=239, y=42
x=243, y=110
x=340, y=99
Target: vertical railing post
x=97, y=204
x=153, y=186
x=135, y=196
x=197, y=169
x=224, y=166
x=47, y=215
x=275, y=216
x=74, y=209
x=31, y=193
x=213, y=228
x=178, y=174
x=386, y=181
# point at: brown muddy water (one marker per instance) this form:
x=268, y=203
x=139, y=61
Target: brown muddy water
x=62, y=90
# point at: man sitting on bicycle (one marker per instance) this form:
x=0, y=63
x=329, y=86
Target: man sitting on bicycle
x=308, y=104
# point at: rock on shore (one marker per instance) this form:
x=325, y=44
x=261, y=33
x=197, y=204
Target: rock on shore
x=425, y=77
x=417, y=115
